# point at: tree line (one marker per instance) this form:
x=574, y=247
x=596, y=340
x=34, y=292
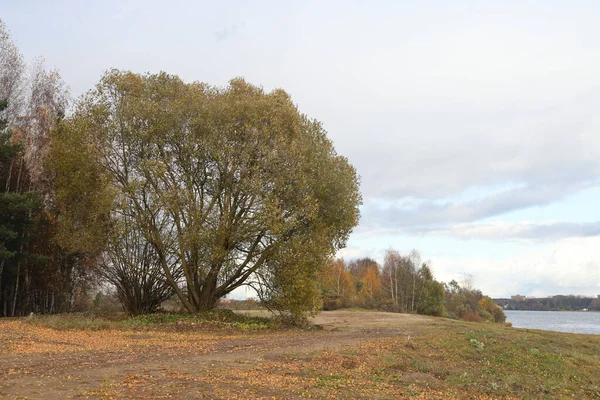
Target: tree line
x=36, y=273
x=164, y=189
x=554, y=303
x=403, y=284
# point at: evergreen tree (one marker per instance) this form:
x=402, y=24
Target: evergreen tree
x=7, y=151
x=18, y=215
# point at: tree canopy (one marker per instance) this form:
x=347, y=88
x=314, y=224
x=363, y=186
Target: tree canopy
x=230, y=186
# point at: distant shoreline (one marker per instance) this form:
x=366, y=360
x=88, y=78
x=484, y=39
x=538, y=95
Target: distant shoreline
x=577, y=311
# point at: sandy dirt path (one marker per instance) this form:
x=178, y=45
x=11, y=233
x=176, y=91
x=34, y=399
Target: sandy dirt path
x=40, y=363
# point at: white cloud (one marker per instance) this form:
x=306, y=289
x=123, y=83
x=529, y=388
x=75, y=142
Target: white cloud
x=434, y=216
x=569, y=266
x=520, y=231
x=437, y=155
x=351, y=253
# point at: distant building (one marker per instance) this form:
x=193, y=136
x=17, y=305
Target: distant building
x=518, y=297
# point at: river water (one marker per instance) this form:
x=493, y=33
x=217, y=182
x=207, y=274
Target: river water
x=560, y=321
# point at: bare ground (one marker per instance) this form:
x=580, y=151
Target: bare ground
x=41, y=363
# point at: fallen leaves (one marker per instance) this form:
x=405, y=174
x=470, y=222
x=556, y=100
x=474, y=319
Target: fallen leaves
x=434, y=362
x=20, y=338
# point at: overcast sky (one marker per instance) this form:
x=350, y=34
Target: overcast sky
x=474, y=125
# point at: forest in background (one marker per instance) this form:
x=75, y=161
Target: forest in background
x=36, y=273
x=403, y=284
x=553, y=303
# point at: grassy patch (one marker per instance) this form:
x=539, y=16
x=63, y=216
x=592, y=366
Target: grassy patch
x=216, y=319
x=461, y=360
x=77, y=321
x=433, y=358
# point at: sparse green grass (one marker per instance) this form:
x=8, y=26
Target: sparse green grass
x=509, y=362
x=78, y=321
x=216, y=319
x=360, y=309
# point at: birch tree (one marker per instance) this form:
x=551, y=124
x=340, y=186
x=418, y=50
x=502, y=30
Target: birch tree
x=32, y=100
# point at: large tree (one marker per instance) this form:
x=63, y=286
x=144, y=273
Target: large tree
x=233, y=183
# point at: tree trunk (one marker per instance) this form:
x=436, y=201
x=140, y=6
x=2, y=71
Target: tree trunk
x=396, y=288
x=412, y=306
x=5, y=303
x=338, y=282
x=170, y=279
x=392, y=287
x=18, y=187
x=1, y=270
x=9, y=177
x=207, y=303
x=29, y=296
x=14, y=305
x=207, y=299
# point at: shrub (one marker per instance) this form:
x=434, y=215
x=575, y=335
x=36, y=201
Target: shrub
x=471, y=317
x=490, y=311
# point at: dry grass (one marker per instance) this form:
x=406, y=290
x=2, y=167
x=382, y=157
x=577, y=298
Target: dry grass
x=389, y=357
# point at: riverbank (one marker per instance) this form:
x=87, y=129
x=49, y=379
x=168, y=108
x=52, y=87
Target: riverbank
x=355, y=355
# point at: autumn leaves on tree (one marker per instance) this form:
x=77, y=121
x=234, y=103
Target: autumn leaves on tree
x=205, y=189
x=401, y=285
